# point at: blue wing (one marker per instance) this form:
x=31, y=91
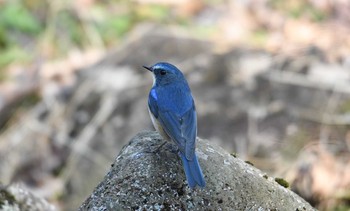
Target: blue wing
x=175, y=110
x=189, y=131
x=181, y=129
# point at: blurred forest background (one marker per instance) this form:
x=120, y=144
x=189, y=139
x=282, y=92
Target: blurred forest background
x=271, y=80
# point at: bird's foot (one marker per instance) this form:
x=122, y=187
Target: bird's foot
x=157, y=150
x=160, y=147
x=173, y=148
x=169, y=146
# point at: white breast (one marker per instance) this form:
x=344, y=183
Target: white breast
x=158, y=127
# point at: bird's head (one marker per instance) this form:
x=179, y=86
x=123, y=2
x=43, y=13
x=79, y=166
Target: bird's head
x=165, y=73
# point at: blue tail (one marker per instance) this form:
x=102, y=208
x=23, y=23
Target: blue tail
x=193, y=171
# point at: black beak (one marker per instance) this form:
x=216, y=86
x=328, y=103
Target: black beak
x=148, y=68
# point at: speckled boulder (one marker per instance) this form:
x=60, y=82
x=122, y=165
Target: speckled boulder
x=17, y=198
x=142, y=179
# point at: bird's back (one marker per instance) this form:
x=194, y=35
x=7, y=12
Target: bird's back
x=175, y=97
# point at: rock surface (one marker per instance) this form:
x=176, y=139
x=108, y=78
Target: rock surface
x=142, y=179
x=17, y=198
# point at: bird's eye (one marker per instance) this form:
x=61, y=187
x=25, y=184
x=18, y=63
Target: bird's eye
x=162, y=72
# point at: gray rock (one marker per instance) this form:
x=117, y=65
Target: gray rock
x=141, y=179
x=17, y=197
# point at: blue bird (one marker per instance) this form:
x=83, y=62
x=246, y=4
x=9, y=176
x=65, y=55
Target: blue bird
x=173, y=114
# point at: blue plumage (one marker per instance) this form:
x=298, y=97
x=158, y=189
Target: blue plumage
x=174, y=116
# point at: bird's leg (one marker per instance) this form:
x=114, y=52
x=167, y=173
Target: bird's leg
x=160, y=146
x=157, y=150
x=171, y=147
